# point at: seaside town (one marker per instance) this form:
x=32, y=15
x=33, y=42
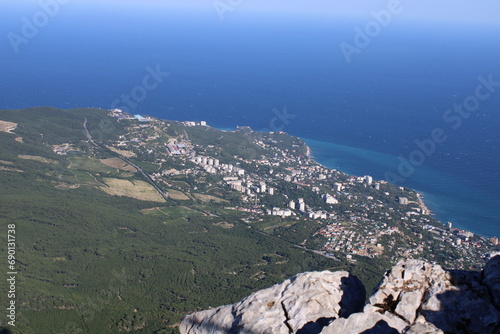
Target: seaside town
x=183, y=210
x=272, y=181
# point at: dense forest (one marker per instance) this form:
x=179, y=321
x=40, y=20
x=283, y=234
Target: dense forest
x=91, y=262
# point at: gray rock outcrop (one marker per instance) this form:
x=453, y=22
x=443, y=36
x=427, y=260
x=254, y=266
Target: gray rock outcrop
x=414, y=297
x=303, y=302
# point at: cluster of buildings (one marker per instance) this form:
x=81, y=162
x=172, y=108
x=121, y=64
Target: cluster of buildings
x=178, y=148
x=191, y=123
x=213, y=166
x=281, y=212
x=356, y=236
x=65, y=149
x=453, y=236
x=302, y=208
x=329, y=199
x=248, y=186
x=120, y=115
x=357, y=216
x=299, y=205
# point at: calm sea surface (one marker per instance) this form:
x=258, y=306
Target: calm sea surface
x=289, y=74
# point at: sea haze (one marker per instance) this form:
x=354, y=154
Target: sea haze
x=286, y=72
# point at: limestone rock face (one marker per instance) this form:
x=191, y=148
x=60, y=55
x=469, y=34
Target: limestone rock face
x=443, y=301
x=491, y=278
x=304, y=302
x=414, y=297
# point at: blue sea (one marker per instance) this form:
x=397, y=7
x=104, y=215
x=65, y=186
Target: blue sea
x=387, y=109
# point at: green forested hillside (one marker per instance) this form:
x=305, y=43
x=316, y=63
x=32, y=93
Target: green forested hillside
x=90, y=262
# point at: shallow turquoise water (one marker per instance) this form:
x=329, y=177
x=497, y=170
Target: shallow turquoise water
x=449, y=198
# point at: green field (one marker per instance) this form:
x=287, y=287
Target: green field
x=92, y=262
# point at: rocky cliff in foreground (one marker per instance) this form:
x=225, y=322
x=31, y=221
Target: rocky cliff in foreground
x=414, y=297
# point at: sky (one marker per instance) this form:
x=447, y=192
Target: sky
x=455, y=11
x=439, y=10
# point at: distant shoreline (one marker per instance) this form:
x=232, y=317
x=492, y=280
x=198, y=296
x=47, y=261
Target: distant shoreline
x=420, y=194
x=423, y=206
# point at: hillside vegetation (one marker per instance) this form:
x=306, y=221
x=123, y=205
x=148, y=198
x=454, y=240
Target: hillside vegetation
x=93, y=257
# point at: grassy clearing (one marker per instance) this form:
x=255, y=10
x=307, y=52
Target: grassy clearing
x=267, y=226
x=65, y=186
x=180, y=184
x=84, y=163
x=137, y=189
x=178, y=195
x=154, y=212
x=37, y=158
x=126, y=154
x=8, y=127
x=224, y=225
x=81, y=177
x=118, y=164
x=208, y=198
x=9, y=169
x=181, y=211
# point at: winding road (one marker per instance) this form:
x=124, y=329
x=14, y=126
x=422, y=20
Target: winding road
x=163, y=194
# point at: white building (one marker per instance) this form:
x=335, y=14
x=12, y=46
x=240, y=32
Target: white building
x=281, y=212
x=302, y=205
x=329, y=199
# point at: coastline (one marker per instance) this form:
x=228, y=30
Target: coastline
x=375, y=158
x=309, y=153
x=450, y=210
x=423, y=206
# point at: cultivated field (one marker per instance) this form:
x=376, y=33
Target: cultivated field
x=177, y=195
x=118, y=164
x=137, y=189
x=126, y=154
x=89, y=164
